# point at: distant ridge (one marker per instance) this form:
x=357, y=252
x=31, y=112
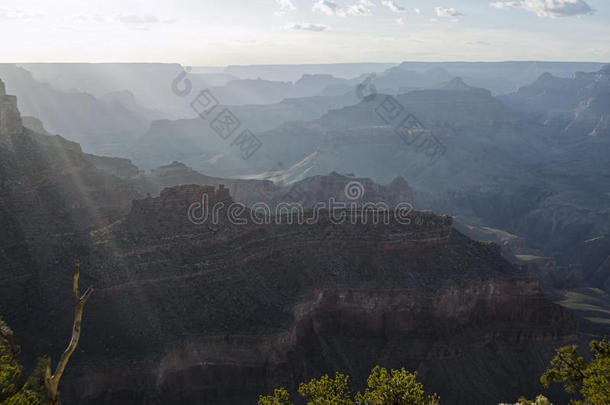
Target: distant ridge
x=456, y=84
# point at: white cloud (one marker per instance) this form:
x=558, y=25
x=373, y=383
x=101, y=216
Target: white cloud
x=142, y=19
x=548, y=8
x=417, y=11
x=306, y=27
x=285, y=6
x=359, y=10
x=391, y=4
x=328, y=7
x=446, y=12
x=400, y=21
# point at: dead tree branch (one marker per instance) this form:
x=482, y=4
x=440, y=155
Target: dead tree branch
x=52, y=381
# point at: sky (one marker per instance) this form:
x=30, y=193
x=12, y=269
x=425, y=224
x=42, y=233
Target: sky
x=231, y=32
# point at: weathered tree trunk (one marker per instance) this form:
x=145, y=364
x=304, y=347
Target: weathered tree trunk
x=52, y=381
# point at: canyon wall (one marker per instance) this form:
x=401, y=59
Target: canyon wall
x=10, y=119
x=220, y=313
x=187, y=313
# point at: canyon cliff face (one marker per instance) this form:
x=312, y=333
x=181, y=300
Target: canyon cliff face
x=187, y=313
x=220, y=313
x=51, y=196
x=10, y=119
x=97, y=123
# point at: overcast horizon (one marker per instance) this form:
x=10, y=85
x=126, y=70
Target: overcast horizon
x=202, y=33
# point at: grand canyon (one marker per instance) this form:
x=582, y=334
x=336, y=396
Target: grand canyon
x=255, y=226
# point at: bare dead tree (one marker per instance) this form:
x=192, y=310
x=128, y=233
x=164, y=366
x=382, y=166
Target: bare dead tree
x=52, y=381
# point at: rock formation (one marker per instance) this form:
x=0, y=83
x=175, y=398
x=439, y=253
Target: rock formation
x=96, y=123
x=176, y=173
x=221, y=312
x=51, y=196
x=322, y=188
x=10, y=119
